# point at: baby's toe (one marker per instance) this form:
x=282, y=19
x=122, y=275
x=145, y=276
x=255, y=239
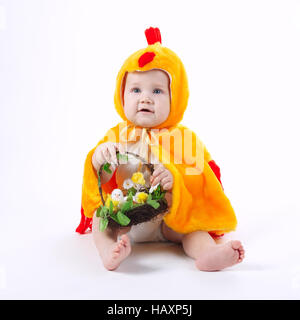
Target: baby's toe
x=236, y=244
x=242, y=256
x=117, y=250
x=125, y=239
x=242, y=251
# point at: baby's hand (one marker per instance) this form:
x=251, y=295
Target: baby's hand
x=163, y=176
x=106, y=152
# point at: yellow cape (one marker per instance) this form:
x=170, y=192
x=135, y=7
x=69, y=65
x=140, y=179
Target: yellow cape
x=198, y=202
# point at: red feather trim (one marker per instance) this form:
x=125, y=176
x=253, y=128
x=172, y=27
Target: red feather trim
x=146, y=58
x=84, y=224
x=153, y=35
x=214, y=167
x=215, y=236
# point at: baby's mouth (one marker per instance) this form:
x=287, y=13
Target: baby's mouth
x=145, y=110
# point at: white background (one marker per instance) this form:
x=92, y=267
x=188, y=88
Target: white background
x=58, y=64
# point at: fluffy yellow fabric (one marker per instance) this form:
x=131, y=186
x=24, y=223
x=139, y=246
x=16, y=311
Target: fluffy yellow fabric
x=199, y=202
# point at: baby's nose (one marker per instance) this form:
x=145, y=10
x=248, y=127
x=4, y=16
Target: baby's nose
x=145, y=99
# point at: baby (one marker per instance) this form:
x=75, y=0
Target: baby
x=198, y=209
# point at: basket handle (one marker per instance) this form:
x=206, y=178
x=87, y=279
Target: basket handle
x=150, y=166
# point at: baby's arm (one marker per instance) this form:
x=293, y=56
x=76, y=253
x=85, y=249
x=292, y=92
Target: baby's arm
x=106, y=152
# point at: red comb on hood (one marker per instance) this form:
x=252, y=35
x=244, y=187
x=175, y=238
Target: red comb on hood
x=153, y=35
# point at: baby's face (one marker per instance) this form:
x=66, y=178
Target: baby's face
x=147, y=98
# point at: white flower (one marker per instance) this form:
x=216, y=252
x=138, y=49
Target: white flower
x=127, y=184
x=117, y=195
x=137, y=186
x=153, y=188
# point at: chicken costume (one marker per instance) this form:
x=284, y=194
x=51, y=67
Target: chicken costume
x=198, y=199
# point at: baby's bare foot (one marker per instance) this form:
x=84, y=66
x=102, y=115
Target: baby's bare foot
x=221, y=256
x=115, y=254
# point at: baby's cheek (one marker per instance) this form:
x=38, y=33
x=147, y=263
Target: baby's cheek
x=165, y=109
x=129, y=114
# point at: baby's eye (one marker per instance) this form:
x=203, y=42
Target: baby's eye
x=136, y=90
x=156, y=91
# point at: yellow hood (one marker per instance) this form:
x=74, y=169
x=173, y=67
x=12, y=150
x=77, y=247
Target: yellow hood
x=155, y=56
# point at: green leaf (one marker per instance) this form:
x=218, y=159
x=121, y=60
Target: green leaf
x=149, y=197
x=103, y=212
x=160, y=196
x=98, y=212
x=103, y=224
x=156, y=193
x=114, y=217
x=106, y=167
x=132, y=191
x=153, y=203
x=127, y=205
x=111, y=208
x=130, y=197
x=123, y=219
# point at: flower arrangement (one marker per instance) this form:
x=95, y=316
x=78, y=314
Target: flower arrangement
x=134, y=194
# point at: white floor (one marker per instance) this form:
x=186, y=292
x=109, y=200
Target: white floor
x=48, y=260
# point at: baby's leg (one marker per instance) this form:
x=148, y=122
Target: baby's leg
x=208, y=255
x=111, y=251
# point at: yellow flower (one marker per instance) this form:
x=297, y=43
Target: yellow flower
x=114, y=202
x=141, y=197
x=138, y=178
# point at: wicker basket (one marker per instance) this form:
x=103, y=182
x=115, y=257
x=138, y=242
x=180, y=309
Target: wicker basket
x=142, y=213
